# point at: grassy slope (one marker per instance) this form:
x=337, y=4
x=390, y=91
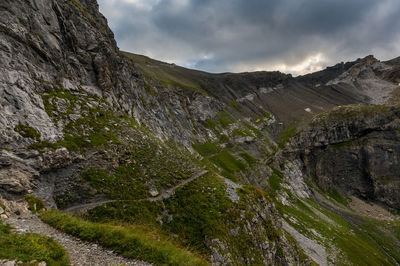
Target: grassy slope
x=28, y=247
x=368, y=243
x=144, y=162
x=128, y=241
x=166, y=74
x=196, y=213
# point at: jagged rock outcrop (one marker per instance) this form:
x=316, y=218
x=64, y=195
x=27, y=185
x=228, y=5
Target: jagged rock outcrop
x=356, y=150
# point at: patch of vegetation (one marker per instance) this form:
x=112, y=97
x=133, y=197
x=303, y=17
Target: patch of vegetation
x=275, y=181
x=27, y=131
x=167, y=74
x=342, y=144
x=358, y=244
x=235, y=105
x=133, y=212
x=95, y=126
x=212, y=124
x=342, y=113
x=198, y=210
x=228, y=163
x=151, y=90
x=241, y=132
x=267, y=115
x=207, y=148
x=145, y=162
x=125, y=183
x=28, y=247
x=248, y=157
x=201, y=210
x=255, y=130
x=224, y=138
x=50, y=103
x=334, y=194
x=35, y=204
x=286, y=136
x=130, y=242
x=84, y=11
x=225, y=118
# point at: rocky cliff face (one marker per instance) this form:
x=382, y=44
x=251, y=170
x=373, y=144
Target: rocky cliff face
x=355, y=150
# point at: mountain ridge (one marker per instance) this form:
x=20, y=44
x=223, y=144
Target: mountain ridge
x=82, y=122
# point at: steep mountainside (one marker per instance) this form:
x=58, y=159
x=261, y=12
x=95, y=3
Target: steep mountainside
x=250, y=168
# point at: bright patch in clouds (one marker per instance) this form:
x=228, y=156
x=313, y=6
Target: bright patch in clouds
x=145, y=5
x=311, y=64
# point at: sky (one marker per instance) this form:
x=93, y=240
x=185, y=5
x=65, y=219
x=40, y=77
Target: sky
x=291, y=36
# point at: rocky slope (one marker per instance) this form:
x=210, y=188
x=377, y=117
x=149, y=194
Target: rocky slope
x=355, y=149
x=83, y=123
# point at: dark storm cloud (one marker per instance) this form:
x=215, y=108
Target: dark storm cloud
x=238, y=35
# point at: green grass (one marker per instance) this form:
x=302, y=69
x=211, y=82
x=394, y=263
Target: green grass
x=28, y=247
x=241, y=132
x=50, y=105
x=125, y=183
x=164, y=73
x=334, y=194
x=225, y=118
x=130, y=242
x=96, y=127
x=143, y=213
x=198, y=211
x=275, y=181
x=255, y=130
x=212, y=124
x=35, y=204
x=84, y=11
x=342, y=144
x=201, y=210
x=286, y=136
x=235, y=105
x=207, y=148
x=147, y=162
x=359, y=245
x=228, y=162
x=27, y=131
x=343, y=113
x=248, y=157
x=267, y=115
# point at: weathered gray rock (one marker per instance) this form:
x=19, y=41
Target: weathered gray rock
x=355, y=150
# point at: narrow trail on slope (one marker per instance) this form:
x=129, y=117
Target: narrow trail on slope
x=81, y=253
x=164, y=195
x=169, y=192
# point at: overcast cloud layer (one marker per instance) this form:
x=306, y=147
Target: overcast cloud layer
x=293, y=36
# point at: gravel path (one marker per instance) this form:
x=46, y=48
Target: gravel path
x=167, y=193
x=80, y=252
